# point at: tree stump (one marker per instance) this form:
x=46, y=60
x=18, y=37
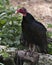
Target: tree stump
x=24, y=56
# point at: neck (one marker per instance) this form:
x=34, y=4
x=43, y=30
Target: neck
x=24, y=14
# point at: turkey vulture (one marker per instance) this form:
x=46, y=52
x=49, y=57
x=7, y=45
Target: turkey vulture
x=33, y=31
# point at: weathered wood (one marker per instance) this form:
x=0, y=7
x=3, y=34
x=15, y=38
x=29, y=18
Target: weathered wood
x=23, y=56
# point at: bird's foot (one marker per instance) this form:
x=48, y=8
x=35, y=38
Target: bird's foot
x=30, y=53
x=27, y=52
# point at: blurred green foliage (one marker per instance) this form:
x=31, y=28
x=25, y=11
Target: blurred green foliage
x=49, y=25
x=49, y=35
x=50, y=48
x=4, y=54
x=9, y=24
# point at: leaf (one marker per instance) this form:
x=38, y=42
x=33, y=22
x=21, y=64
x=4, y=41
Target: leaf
x=1, y=64
x=2, y=14
x=1, y=33
x=2, y=21
x=5, y=54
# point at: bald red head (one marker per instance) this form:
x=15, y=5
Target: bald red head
x=22, y=11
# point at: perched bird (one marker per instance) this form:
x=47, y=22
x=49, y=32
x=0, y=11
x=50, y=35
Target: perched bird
x=33, y=31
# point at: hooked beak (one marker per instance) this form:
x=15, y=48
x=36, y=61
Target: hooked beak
x=16, y=12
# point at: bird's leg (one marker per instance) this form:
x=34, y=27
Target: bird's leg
x=30, y=47
x=30, y=50
x=34, y=48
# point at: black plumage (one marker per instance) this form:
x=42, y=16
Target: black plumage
x=33, y=31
